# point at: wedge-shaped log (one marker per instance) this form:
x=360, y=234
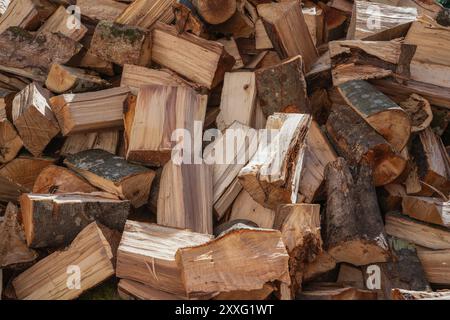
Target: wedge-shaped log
x=90, y=111
x=354, y=226
x=245, y=208
x=282, y=87
x=436, y=264
x=287, y=29
x=131, y=182
x=147, y=255
x=144, y=13
x=199, y=60
x=360, y=142
x=215, y=11
x=272, y=176
x=104, y=140
x=48, y=279
x=160, y=110
x=10, y=141
x=121, y=44
x=427, y=209
x=61, y=21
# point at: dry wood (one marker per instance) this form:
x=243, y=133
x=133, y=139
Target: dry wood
x=104, y=140
x=259, y=294
x=48, y=279
x=92, y=62
x=419, y=111
x=245, y=208
x=10, y=141
x=402, y=294
x=262, y=40
x=145, y=13
x=133, y=290
x=432, y=210
x=224, y=203
x=240, y=25
x=232, y=48
x=215, y=11
x=101, y=9
x=315, y=20
x=186, y=20
x=62, y=21
x=323, y=263
x=6, y=98
x=351, y=276
x=331, y=291
x=99, y=167
x=436, y=265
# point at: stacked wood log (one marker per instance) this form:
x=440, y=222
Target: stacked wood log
x=225, y=149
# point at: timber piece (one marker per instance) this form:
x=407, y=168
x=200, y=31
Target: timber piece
x=31, y=55
x=287, y=29
x=436, y=264
x=300, y=230
x=3, y=6
x=136, y=77
x=318, y=154
x=92, y=62
x=419, y=111
x=371, y=21
x=363, y=60
x=202, y=61
x=282, y=87
x=238, y=102
x=64, y=22
x=259, y=294
x=322, y=264
x=104, y=140
x=177, y=207
x=101, y=9
x=354, y=227
x=186, y=19
x=6, y=99
x=245, y=208
x=147, y=255
x=420, y=233
x=48, y=279
x=145, y=13
x=383, y=114
x=333, y=291
x=272, y=176
x=351, y=276
x=13, y=248
x=133, y=290
x=320, y=74
x=27, y=14
x=224, y=203
x=266, y=260
x=56, y=180
x=241, y=25
x=402, y=294
x=10, y=141
x=121, y=44
x=232, y=48
x=262, y=40
x=432, y=161
x=360, y=142
x=315, y=20
x=63, y=79
x=99, y=167
x=90, y=111
x=160, y=110
x=215, y=11
x=10, y=191
x=34, y=119
x=335, y=22
x=427, y=209
x=44, y=228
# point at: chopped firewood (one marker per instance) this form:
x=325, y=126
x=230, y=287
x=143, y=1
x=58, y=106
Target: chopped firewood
x=331, y=291
x=323, y=263
x=245, y=208
x=147, y=255
x=6, y=98
x=315, y=20
x=149, y=137
x=92, y=62
x=436, y=264
x=287, y=29
x=383, y=114
x=432, y=210
x=282, y=87
x=351, y=276
x=419, y=111
x=402, y=294
x=354, y=227
x=266, y=260
x=10, y=141
x=13, y=248
x=197, y=59
x=258, y=294
x=145, y=13
x=34, y=119
x=101, y=9
x=215, y=11
x=31, y=55
x=224, y=203
x=420, y=233
x=74, y=112
x=176, y=207
x=232, y=48
x=3, y=6
x=187, y=21
x=240, y=25
x=272, y=176
x=360, y=142
x=371, y=21
x=74, y=212
x=56, y=180
x=94, y=266
x=238, y=101
x=61, y=22
x=335, y=22
x=131, y=182
x=261, y=37
x=133, y=290
x=63, y=79
x=104, y=140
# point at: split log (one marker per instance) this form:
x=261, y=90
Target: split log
x=224, y=203
x=238, y=101
x=90, y=111
x=436, y=264
x=335, y=22
x=432, y=210
x=6, y=98
x=245, y=208
x=262, y=40
x=176, y=205
x=13, y=248
x=215, y=11
x=360, y=142
x=266, y=260
x=323, y=263
x=423, y=234
x=354, y=227
x=419, y=111
x=160, y=110
x=25, y=54
x=63, y=79
x=147, y=255
x=351, y=276
x=101, y=9
x=44, y=228
x=241, y=25
x=10, y=141
x=259, y=294
x=272, y=176
x=315, y=20
x=133, y=290
x=144, y=13
x=49, y=278
x=103, y=140
x=99, y=167
x=332, y=291
x=3, y=6
x=232, y=48
x=282, y=88
x=34, y=119
x=197, y=59
x=402, y=294
x=92, y=62
x=383, y=114
x=56, y=180
x=287, y=29
x=62, y=21
x=187, y=20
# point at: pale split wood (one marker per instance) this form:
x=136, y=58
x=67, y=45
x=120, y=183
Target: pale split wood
x=145, y=13
x=427, y=209
x=104, y=140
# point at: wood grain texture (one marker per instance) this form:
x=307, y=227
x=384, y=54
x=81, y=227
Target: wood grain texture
x=427, y=209
x=145, y=13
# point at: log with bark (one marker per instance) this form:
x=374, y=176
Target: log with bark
x=104, y=140
x=427, y=209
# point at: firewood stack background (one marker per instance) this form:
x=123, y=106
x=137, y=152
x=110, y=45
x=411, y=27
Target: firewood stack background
x=348, y=200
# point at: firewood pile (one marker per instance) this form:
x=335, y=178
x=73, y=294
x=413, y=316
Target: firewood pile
x=224, y=149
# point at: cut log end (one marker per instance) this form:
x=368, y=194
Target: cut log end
x=215, y=11
x=359, y=252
